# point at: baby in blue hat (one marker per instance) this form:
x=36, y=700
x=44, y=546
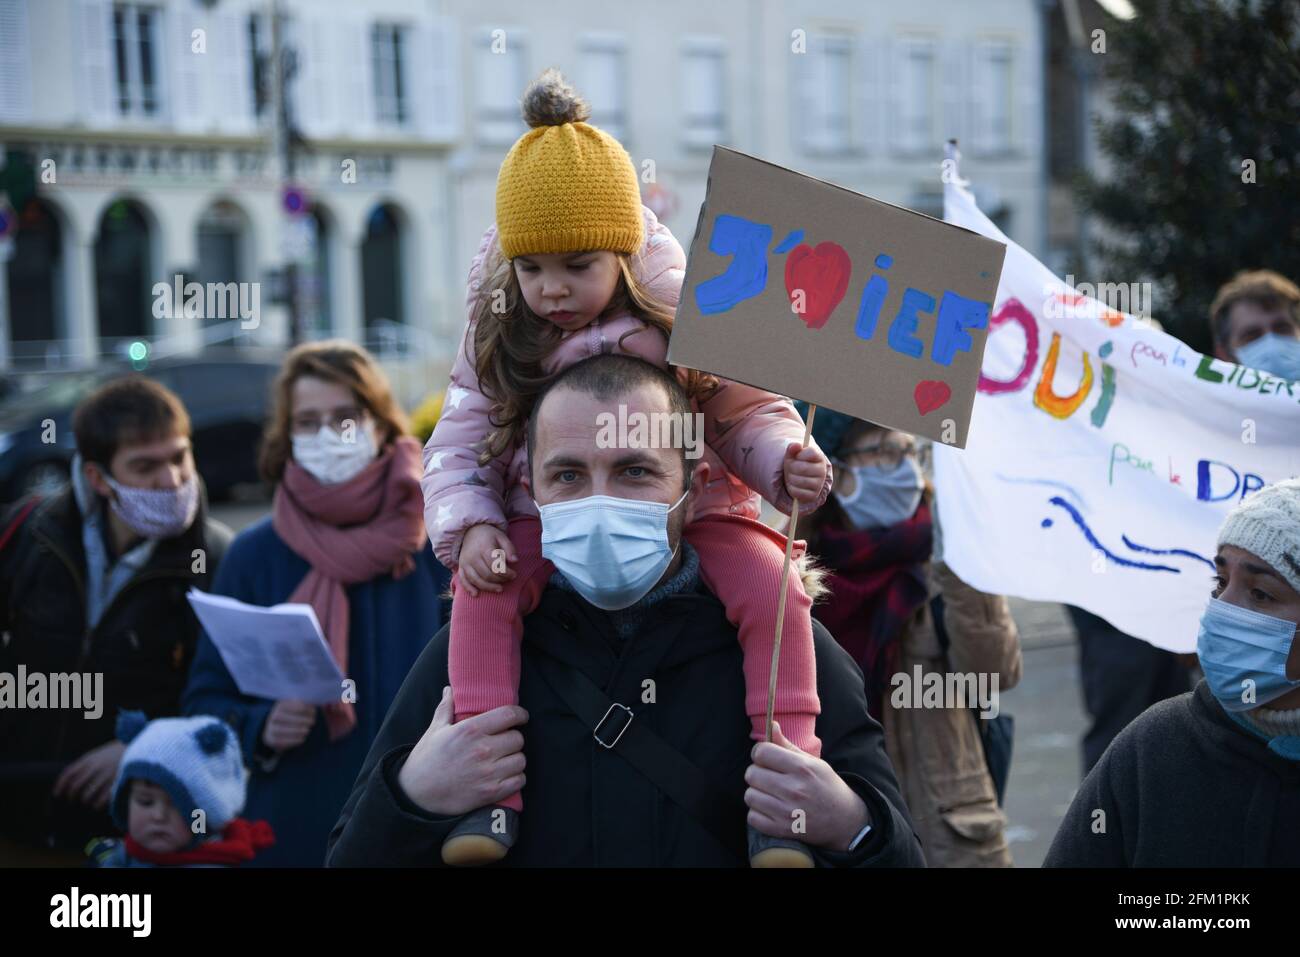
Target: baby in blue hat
x=177, y=795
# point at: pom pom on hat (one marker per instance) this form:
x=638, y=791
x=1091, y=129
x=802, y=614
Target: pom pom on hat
x=130, y=724
x=212, y=737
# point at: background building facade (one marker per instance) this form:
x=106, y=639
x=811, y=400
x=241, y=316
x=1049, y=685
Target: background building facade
x=150, y=132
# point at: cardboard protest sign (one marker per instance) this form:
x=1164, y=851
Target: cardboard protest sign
x=875, y=310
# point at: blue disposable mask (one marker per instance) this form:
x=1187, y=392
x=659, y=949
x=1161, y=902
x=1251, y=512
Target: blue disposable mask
x=883, y=497
x=612, y=550
x=1243, y=654
x=1274, y=354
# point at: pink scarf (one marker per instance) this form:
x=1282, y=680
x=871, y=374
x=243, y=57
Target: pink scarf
x=351, y=532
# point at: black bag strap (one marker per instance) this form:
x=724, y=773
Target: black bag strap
x=615, y=726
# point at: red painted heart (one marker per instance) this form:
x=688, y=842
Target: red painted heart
x=930, y=394
x=821, y=275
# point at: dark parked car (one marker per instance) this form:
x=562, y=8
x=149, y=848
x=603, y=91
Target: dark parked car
x=226, y=392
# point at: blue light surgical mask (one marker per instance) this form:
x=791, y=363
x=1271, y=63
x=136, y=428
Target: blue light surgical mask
x=1243, y=654
x=1274, y=354
x=612, y=550
x=883, y=497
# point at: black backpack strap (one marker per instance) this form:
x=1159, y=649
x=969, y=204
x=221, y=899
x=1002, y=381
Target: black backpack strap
x=616, y=727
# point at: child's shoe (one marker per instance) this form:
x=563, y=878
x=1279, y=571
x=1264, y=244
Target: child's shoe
x=481, y=837
x=765, y=851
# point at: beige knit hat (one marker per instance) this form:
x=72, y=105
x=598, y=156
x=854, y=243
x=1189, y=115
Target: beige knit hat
x=1267, y=524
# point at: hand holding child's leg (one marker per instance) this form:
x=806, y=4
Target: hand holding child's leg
x=483, y=661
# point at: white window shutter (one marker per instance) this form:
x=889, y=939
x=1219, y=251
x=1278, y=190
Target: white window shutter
x=228, y=45
x=957, y=85
x=356, y=66
x=898, y=89
x=1026, y=107
x=438, y=86
x=804, y=128
x=98, y=83
x=856, y=93
x=866, y=135
x=704, y=91
x=317, y=104
x=15, y=63
x=189, y=70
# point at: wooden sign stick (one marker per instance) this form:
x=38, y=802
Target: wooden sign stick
x=785, y=579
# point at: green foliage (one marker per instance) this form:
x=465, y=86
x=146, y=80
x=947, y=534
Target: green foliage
x=1199, y=88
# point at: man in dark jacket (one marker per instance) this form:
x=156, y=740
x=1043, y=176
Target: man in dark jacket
x=633, y=721
x=92, y=600
x=1211, y=778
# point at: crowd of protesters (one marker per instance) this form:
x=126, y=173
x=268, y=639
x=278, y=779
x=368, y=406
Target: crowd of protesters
x=523, y=611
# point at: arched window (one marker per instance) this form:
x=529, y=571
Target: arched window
x=36, y=280
x=122, y=272
x=222, y=236
x=315, y=277
x=381, y=268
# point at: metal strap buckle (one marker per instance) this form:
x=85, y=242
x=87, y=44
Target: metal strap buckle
x=599, y=724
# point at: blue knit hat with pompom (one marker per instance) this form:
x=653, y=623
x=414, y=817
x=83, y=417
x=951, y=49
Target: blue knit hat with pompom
x=197, y=761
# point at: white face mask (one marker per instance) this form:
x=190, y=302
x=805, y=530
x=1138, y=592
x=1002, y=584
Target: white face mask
x=883, y=497
x=612, y=550
x=330, y=458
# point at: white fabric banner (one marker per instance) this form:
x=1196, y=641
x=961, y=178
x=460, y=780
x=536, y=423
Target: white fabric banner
x=1103, y=454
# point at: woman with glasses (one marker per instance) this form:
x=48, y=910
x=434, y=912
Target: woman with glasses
x=910, y=623
x=345, y=535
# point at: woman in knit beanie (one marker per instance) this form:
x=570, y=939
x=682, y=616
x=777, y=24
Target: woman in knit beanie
x=1211, y=778
x=1246, y=645
x=575, y=267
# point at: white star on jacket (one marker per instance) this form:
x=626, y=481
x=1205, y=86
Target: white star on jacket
x=435, y=460
x=444, y=515
x=455, y=396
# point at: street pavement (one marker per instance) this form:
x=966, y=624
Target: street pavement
x=1050, y=723
x=1047, y=706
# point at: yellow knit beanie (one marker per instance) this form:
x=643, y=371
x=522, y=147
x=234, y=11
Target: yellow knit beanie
x=566, y=186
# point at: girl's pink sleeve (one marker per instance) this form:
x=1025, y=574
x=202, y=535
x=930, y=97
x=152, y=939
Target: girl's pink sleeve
x=661, y=263
x=458, y=492
x=750, y=429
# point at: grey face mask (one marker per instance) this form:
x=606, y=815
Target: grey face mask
x=883, y=497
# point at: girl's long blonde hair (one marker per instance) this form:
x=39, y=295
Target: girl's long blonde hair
x=512, y=343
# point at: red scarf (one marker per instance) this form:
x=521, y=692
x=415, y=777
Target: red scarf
x=878, y=580
x=351, y=532
x=239, y=842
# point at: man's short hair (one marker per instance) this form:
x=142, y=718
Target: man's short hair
x=126, y=411
x=1263, y=287
x=608, y=377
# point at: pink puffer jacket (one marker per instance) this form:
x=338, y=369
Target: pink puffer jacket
x=746, y=430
